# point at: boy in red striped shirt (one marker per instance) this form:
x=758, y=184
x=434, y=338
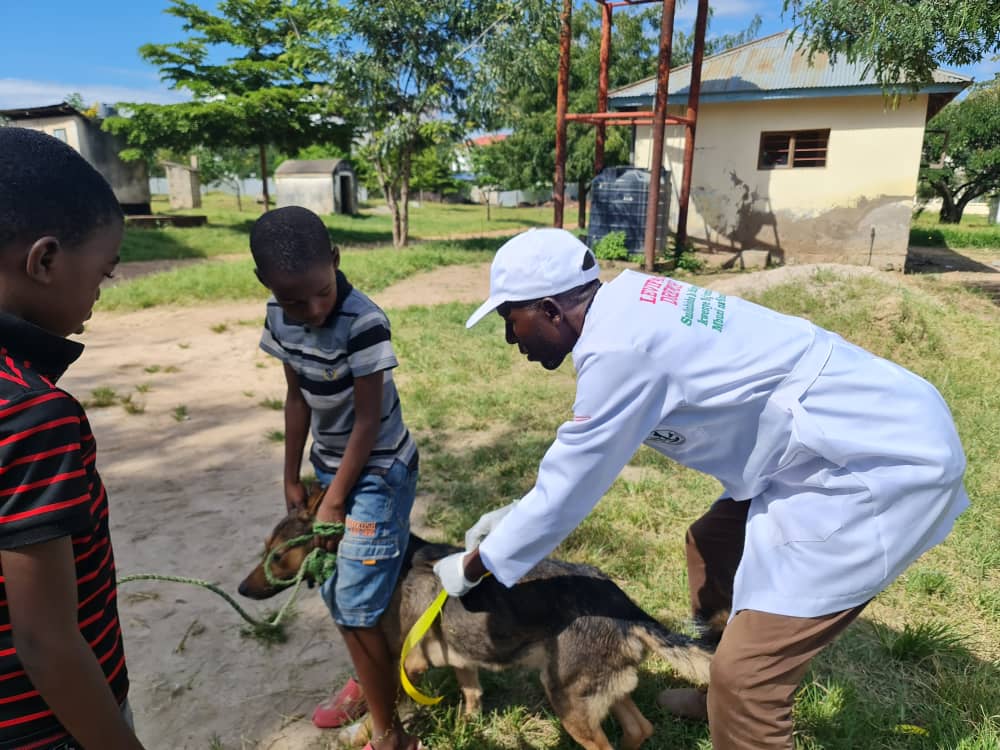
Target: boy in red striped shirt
x=63, y=681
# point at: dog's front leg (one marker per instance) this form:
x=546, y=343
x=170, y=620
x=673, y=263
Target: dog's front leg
x=472, y=691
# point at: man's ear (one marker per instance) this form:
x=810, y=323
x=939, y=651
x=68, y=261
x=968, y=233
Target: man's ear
x=336, y=257
x=551, y=309
x=41, y=259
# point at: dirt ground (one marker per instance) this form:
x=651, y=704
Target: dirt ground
x=195, y=483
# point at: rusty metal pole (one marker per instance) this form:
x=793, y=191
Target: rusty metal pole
x=694, y=92
x=562, y=104
x=659, y=122
x=602, y=86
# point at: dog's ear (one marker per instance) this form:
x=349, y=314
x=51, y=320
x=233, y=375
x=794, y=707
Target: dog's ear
x=315, y=498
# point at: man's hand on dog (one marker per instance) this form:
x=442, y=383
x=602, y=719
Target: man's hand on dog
x=486, y=523
x=454, y=572
x=330, y=512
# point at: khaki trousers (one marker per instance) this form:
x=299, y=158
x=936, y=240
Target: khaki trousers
x=762, y=657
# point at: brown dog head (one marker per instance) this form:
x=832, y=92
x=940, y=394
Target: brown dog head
x=286, y=559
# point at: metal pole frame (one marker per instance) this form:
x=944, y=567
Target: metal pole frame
x=658, y=118
x=602, y=87
x=659, y=125
x=562, y=104
x=700, y=24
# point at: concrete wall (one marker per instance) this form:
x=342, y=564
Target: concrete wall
x=320, y=193
x=856, y=209
x=183, y=186
x=315, y=192
x=129, y=180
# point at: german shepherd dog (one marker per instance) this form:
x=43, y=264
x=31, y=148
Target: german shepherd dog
x=569, y=622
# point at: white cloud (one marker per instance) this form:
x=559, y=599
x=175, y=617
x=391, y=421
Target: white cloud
x=20, y=92
x=720, y=8
x=984, y=70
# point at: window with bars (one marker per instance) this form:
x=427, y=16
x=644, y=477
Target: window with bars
x=793, y=149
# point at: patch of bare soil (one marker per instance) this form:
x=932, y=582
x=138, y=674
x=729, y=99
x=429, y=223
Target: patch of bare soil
x=449, y=284
x=757, y=281
x=973, y=268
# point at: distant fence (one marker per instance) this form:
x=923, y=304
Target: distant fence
x=250, y=187
x=979, y=207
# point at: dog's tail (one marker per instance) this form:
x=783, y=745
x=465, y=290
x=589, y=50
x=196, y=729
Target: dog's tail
x=689, y=657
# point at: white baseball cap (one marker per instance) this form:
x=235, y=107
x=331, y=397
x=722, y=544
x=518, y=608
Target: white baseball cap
x=535, y=264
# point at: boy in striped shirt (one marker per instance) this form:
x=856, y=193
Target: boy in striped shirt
x=335, y=345
x=63, y=681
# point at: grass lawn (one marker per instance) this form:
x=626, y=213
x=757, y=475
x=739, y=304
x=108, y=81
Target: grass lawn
x=233, y=279
x=228, y=229
x=919, y=670
x=974, y=231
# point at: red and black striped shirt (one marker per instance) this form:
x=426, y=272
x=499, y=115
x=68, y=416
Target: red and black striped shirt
x=50, y=488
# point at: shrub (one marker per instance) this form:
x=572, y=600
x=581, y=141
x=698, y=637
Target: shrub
x=689, y=262
x=611, y=247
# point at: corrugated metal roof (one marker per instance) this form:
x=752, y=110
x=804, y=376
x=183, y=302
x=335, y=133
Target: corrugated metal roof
x=30, y=113
x=772, y=67
x=308, y=166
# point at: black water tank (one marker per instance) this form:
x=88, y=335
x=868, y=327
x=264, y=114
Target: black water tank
x=618, y=199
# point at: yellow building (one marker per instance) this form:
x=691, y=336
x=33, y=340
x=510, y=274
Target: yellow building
x=811, y=162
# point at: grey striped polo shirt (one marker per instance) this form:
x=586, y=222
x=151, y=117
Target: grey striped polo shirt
x=354, y=341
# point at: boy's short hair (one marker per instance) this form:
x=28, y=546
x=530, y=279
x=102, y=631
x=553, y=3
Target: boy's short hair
x=46, y=187
x=290, y=240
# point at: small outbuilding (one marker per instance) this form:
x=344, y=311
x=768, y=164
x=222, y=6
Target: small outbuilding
x=183, y=184
x=326, y=186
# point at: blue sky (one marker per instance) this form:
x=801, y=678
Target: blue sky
x=51, y=48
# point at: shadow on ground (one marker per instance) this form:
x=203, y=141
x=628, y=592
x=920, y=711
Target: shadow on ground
x=969, y=272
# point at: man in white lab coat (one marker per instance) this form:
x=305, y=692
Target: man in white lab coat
x=839, y=468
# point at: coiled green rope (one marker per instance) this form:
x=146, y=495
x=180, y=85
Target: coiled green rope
x=318, y=566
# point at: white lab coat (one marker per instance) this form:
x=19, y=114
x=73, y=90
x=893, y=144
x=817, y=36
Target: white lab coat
x=851, y=463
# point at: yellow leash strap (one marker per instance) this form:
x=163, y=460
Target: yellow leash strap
x=418, y=631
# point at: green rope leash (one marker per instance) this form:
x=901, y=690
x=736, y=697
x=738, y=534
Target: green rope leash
x=318, y=565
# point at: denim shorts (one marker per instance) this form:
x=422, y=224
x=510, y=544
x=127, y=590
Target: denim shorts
x=371, y=553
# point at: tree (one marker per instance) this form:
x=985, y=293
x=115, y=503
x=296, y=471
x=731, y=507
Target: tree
x=230, y=166
x=963, y=142
x=412, y=73
x=263, y=95
x=530, y=151
x=432, y=170
x=490, y=168
x=903, y=42
x=75, y=100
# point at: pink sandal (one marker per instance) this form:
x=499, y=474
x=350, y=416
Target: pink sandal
x=347, y=706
